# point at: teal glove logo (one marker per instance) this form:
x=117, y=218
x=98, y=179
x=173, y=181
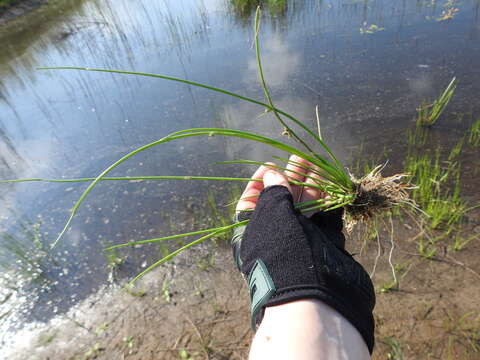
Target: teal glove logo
x=261, y=288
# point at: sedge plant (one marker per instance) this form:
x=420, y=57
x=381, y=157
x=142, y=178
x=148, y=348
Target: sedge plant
x=362, y=197
x=428, y=114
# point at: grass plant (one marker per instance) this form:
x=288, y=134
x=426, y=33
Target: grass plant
x=474, y=133
x=428, y=114
x=444, y=206
x=395, y=352
x=460, y=242
x=363, y=198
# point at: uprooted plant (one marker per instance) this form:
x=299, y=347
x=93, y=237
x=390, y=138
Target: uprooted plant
x=363, y=197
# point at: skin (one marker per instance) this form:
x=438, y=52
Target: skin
x=304, y=329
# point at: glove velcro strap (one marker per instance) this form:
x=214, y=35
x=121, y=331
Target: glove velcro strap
x=261, y=288
x=238, y=235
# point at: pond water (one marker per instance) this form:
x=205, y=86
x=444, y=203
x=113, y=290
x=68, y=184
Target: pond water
x=366, y=64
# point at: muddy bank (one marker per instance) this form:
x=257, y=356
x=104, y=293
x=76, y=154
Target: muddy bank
x=192, y=310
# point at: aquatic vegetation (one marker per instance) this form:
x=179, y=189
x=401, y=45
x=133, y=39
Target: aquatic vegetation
x=460, y=241
x=26, y=255
x=443, y=206
x=456, y=150
x=450, y=11
x=370, y=29
x=222, y=215
x=363, y=197
x=474, y=133
x=428, y=114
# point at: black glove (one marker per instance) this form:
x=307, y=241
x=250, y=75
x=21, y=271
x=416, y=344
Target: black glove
x=286, y=256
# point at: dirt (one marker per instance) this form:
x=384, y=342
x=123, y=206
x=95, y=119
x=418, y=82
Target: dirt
x=197, y=310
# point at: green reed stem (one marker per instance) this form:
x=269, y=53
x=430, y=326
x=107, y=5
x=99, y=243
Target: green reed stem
x=341, y=172
x=178, y=251
x=265, y=87
x=200, y=232
x=325, y=165
x=130, y=178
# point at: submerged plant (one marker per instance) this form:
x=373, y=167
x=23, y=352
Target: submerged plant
x=428, y=114
x=474, y=136
x=450, y=11
x=363, y=197
x=370, y=29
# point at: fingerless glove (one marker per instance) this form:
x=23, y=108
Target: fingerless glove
x=286, y=256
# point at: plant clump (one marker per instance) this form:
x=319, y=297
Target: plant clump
x=375, y=193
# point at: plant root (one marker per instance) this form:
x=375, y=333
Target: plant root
x=375, y=194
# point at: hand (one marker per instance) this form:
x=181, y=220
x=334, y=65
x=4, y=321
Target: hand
x=286, y=256
x=295, y=171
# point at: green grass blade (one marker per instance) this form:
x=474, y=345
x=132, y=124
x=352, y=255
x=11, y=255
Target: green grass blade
x=324, y=164
x=175, y=253
x=266, y=91
x=178, y=236
x=261, y=163
x=441, y=103
x=129, y=178
x=226, y=92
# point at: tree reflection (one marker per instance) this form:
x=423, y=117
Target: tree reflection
x=245, y=8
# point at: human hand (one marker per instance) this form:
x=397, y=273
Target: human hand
x=298, y=169
x=286, y=256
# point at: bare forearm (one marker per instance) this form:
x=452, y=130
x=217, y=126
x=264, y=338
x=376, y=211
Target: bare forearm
x=307, y=329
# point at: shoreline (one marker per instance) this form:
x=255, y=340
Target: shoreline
x=15, y=11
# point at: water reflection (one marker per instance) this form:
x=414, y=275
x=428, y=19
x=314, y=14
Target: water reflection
x=73, y=124
x=245, y=8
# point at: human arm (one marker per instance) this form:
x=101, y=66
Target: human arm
x=309, y=330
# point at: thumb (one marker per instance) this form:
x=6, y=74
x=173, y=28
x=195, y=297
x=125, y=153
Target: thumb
x=272, y=177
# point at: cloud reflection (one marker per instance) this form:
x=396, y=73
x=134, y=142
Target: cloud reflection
x=278, y=60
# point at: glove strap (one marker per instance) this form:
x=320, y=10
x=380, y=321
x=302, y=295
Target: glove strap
x=261, y=288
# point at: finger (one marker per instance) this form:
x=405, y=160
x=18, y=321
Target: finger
x=296, y=170
x=249, y=197
x=272, y=177
x=311, y=193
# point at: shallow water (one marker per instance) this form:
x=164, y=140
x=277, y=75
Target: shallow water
x=70, y=124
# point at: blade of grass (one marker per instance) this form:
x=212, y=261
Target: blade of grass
x=175, y=253
x=188, y=82
x=226, y=92
x=178, y=236
x=261, y=163
x=129, y=178
x=442, y=102
x=266, y=91
x=272, y=106
x=325, y=165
